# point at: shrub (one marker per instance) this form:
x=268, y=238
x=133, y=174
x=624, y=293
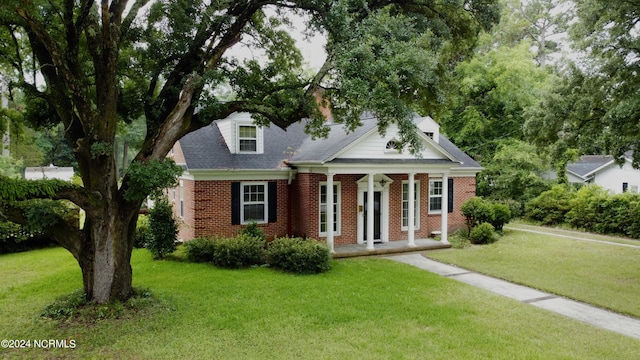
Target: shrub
x=501, y=216
x=298, y=255
x=476, y=211
x=582, y=214
x=143, y=232
x=551, y=206
x=241, y=251
x=16, y=238
x=634, y=213
x=252, y=230
x=164, y=229
x=483, y=234
x=200, y=249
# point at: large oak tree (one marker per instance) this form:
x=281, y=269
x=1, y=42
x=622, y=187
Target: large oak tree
x=89, y=64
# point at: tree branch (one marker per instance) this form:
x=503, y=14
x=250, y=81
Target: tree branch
x=13, y=190
x=67, y=235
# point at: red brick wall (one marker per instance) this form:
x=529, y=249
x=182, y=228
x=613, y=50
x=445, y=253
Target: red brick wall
x=208, y=208
x=464, y=188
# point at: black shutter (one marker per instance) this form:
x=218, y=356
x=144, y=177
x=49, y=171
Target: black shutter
x=235, y=203
x=450, y=195
x=273, y=201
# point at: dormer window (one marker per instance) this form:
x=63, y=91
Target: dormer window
x=247, y=138
x=429, y=134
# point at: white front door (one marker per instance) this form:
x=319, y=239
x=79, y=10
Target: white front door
x=380, y=208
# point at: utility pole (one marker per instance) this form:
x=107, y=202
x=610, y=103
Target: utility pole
x=6, y=137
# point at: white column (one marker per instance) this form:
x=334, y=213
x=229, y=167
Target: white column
x=330, y=212
x=411, y=228
x=445, y=209
x=370, y=212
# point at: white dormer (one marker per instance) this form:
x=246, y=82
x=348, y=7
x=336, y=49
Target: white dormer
x=241, y=134
x=429, y=127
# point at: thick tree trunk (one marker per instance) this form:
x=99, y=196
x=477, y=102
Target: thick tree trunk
x=106, y=259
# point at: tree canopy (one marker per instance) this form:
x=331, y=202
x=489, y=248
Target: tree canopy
x=91, y=64
x=595, y=107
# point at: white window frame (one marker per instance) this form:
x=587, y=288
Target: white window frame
x=265, y=202
x=434, y=196
x=181, y=199
x=240, y=138
x=337, y=213
x=416, y=211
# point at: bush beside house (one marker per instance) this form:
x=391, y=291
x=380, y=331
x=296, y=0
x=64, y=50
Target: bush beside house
x=297, y=255
x=484, y=218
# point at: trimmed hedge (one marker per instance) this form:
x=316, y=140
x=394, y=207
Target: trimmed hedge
x=550, y=207
x=239, y=252
x=298, y=255
x=483, y=234
x=591, y=208
x=200, y=249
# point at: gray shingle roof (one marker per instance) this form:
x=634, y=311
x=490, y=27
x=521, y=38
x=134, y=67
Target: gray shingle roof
x=206, y=148
x=588, y=163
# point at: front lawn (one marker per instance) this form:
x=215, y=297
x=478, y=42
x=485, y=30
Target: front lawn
x=604, y=275
x=362, y=308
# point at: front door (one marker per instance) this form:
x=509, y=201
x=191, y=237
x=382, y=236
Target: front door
x=377, y=214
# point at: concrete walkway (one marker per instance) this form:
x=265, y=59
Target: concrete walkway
x=586, y=313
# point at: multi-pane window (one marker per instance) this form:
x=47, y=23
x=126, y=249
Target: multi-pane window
x=181, y=199
x=435, y=195
x=254, y=203
x=405, y=205
x=247, y=138
x=323, y=208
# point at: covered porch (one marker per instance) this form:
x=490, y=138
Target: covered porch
x=390, y=247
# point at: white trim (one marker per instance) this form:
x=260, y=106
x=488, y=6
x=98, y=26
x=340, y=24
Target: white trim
x=181, y=205
x=364, y=168
x=239, y=138
x=431, y=181
x=237, y=175
x=417, y=207
x=265, y=202
x=338, y=212
x=384, y=206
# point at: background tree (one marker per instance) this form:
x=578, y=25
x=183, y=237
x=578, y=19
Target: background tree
x=110, y=61
x=595, y=107
x=494, y=89
x=542, y=22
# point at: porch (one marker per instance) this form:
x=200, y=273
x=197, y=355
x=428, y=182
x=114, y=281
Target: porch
x=390, y=247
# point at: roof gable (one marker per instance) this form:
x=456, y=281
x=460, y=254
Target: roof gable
x=209, y=147
x=366, y=143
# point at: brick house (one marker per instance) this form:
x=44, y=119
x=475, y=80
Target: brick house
x=291, y=184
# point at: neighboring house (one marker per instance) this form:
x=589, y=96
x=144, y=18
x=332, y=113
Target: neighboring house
x=346, y=189
x=48, y=172
x=603, y=171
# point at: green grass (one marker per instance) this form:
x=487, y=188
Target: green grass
x=604, y=275
x=565, y=230
x=361, y=309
